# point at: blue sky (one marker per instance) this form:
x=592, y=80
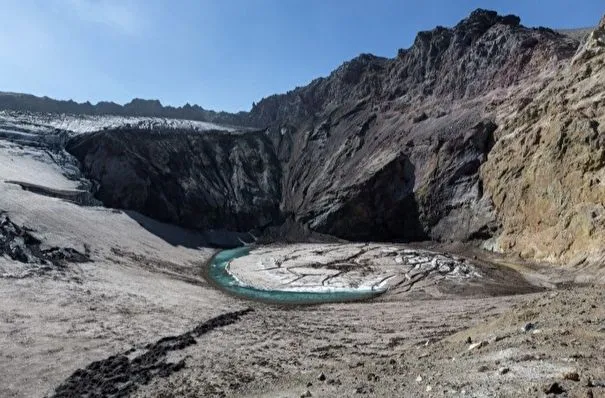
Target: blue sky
x=221, y=54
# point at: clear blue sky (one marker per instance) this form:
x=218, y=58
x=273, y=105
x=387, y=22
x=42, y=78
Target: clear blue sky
x=221, y=54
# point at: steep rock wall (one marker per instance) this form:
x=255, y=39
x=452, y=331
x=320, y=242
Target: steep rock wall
x=204, y=181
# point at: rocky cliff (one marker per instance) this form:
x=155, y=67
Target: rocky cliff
x=546, y=173
x=391, y=149
x=204, y=181
x=487, y=130
x=137, y=107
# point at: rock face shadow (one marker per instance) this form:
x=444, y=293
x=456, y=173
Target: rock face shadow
x=179, y=236
x=384, y=209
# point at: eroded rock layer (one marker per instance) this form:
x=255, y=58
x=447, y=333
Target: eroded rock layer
x=545, y=174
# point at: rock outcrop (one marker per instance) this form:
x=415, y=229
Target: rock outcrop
x=545, y=174
x=488, y=130
x=483, y=52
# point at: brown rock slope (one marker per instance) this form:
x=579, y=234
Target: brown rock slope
x=545, y=173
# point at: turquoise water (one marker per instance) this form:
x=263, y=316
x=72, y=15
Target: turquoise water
x=218, y=273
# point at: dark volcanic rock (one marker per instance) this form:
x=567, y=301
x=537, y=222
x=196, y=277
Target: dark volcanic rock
x=18, y=243
x=382, y=207
x=137, y=107
x=197, y=180
x=482, y=52
x=553, y=388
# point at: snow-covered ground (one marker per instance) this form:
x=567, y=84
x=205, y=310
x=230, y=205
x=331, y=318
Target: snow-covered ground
x=34, y=166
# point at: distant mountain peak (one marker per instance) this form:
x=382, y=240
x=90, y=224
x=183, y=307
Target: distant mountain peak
x=136, y=107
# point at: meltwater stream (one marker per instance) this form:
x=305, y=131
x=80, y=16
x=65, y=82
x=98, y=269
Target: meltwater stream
x=219, y=274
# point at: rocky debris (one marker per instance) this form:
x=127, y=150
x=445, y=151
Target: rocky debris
x=573, y=376
x=596, y=383
x=306, y=394
x=478, y=345
x=364, y=389
x=528, y=364
x=321, y=377
x=203, y=181
x=18, y=243
x=119, y=375
x=553, y=388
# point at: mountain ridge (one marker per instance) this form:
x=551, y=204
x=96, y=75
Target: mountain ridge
x=136, y=107
x=253, y=118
